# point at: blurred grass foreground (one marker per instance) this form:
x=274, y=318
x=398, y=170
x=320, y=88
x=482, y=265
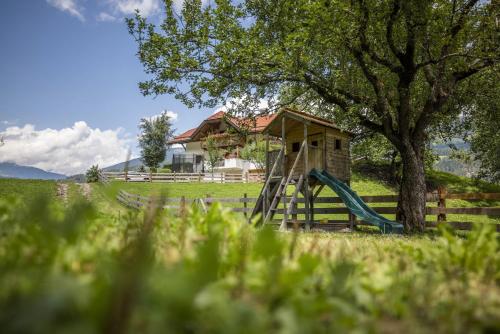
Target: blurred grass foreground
x=72, y=269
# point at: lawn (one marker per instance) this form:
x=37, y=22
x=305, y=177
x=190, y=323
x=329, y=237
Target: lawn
x=27, y=189
x=363, y=185
x=102, y=268
x=360, y=184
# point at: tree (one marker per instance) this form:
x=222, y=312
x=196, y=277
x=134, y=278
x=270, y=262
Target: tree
x=255, y=152
x=390, y=66
x=155, y=133
x=92, y=174
x=477, y=123
x=215, y=154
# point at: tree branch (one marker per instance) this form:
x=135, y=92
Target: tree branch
x=396, y=7
x=365, y=46
x=461, y=75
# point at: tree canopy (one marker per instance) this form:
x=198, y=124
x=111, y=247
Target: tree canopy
x=155, y=133
x=388, y=66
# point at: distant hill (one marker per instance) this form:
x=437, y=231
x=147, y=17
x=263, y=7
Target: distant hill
x=134, y=164
x=12, y=170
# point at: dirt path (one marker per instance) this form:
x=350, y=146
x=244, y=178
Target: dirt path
x=62, y=191
x=86, y=190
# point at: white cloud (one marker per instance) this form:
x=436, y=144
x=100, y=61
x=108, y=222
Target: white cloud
x=127, y=7
x=69, y=6
x=69, y=150
x=7, y=122
x=172, y=115
x=105, y=17
x=178, y=4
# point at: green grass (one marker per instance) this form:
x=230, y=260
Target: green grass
x=363, y=185
x=459, y=184
x=213, y=271
x=190, y=190
x=27, y=189
x=77, y=270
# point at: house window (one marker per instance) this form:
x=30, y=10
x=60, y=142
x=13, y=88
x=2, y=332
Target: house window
x=314, y=143
x=295, y=147
x=338, y=144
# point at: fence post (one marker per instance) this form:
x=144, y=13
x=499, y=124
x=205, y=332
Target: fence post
x=183, y=207
x=352, y=221
x=294, y=212
x=442, y=192
x=246, y=177
x=126, y=175
x=207, y=196
x=175, y=179
x=150, y=175
x=222, y=177
x=245, y=205
x=199, y=176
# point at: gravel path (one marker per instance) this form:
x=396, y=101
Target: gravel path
x=86, y=190
x=62, y=191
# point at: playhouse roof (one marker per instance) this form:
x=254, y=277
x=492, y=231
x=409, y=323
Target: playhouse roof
x=295, y=116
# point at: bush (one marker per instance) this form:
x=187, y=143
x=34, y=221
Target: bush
x=92, y=174
x=70, y=270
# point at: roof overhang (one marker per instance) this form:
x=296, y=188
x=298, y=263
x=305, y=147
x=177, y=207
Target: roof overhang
x=296, y=118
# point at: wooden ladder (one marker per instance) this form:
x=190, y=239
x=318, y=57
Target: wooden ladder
x=293, y=202
x=285, y=181
x=260, y=204
x=277, y=196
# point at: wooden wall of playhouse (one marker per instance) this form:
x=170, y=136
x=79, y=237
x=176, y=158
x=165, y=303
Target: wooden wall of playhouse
x=328, y=149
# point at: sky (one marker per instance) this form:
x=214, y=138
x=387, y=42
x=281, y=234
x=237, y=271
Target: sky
x=69, y=76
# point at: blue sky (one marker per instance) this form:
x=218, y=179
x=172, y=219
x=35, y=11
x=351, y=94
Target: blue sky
x=67, y=61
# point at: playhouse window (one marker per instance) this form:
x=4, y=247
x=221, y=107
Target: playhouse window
x=314, y=143
x=338, y=144
x=295, y=147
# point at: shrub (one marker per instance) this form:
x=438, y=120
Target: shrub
x=70, y=270
x=92, y=174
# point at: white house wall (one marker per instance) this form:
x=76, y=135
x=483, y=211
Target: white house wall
x=194, y=148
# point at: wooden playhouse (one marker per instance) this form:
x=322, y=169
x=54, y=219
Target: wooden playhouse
x=307, y=142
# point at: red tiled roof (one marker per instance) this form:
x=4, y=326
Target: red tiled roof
x=262, y=122
x=183, y=136
x=255, y=125
x=217, y=115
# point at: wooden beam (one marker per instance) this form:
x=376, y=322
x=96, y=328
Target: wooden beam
x=318, y=191
x=325, y=166
x=267, y=154
x=306, y=179
x=297, y=118
x=283, y=164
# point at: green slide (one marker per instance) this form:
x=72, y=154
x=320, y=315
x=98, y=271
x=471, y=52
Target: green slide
x=355, y=204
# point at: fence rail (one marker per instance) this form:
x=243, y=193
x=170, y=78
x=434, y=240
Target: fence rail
x=223, y=177
x=245, y=205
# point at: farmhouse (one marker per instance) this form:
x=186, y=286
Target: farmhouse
x=232, y=134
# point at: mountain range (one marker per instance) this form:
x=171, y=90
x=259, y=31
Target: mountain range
x=12, y=170
x=134, y=164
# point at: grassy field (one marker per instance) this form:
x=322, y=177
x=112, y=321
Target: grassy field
x=95, y=267
x=361, y=184
x=27, y=188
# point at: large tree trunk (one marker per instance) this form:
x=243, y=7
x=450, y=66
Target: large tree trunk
x=411, y=205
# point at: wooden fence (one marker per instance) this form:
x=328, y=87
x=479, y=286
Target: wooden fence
x=185, y=177
x=334, y=206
